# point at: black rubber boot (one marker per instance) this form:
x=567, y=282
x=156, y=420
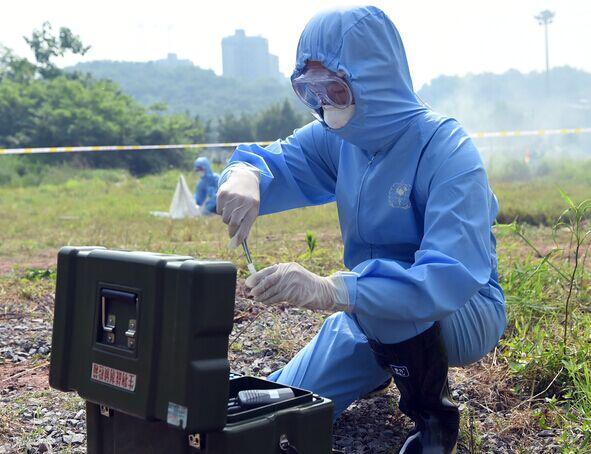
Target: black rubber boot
x=419, y=366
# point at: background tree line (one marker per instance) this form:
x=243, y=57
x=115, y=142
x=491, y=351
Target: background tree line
x=277, y=121
x=163, y=102
x=188, y=88
x=511, y=100
x=43, y=105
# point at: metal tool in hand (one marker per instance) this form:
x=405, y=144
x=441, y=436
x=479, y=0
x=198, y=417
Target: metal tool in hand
x=249, y=263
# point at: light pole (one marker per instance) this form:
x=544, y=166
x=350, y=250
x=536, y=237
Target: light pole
x=545, y=18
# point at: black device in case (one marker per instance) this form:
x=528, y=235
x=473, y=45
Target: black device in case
x=143, y=338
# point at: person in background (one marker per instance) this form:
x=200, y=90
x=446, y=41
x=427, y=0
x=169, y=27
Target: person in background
x=205, y=191
x=416, y=214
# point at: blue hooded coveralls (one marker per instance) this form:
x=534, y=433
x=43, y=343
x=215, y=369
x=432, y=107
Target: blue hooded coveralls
x=415, y=211
x=206, y=188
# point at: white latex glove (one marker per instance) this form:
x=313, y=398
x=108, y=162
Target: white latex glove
x=238, y=201
x=293, y=283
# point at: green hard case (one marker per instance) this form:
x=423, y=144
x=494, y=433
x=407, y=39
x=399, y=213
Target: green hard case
x=143, y=338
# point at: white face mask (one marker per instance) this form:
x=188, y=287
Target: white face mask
x=337, y=118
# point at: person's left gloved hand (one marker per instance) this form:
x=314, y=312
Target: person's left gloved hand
x=293, y=283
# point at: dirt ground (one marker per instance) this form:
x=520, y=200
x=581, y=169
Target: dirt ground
x=35, y=418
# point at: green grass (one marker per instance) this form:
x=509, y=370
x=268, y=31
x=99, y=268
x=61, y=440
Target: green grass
x=530, y=192
x=116, y=213
x=110, y=208
x=536, y=202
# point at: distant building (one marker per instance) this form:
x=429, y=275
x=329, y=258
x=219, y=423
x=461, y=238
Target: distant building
x=173, y=60
x=248, y=57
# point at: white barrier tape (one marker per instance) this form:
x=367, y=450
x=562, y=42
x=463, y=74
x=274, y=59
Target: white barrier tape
x=535, y=132
x=475, y=135
x=119, y=148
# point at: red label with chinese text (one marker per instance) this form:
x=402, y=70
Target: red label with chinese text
x=113, y=377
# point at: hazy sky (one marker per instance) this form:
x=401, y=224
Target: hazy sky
x=441, y=37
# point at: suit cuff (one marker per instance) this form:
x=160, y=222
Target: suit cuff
x=346, y=285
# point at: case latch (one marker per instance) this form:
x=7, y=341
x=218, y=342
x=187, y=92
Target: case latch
x=118, y=319
x=130, y=333
x=108, y=324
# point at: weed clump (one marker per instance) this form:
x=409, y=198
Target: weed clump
x=548, y=344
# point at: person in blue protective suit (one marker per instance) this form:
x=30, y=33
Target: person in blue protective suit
x=205, y=191
x=415, y=211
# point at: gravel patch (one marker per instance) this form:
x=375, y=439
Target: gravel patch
x=22, y=339
x=37, y=419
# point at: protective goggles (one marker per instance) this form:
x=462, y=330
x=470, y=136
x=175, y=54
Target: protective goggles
x=317, y=87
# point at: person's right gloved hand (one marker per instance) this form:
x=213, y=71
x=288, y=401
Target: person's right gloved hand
x=238, y=201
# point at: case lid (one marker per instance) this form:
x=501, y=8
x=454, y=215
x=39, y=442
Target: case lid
x=144, y=333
